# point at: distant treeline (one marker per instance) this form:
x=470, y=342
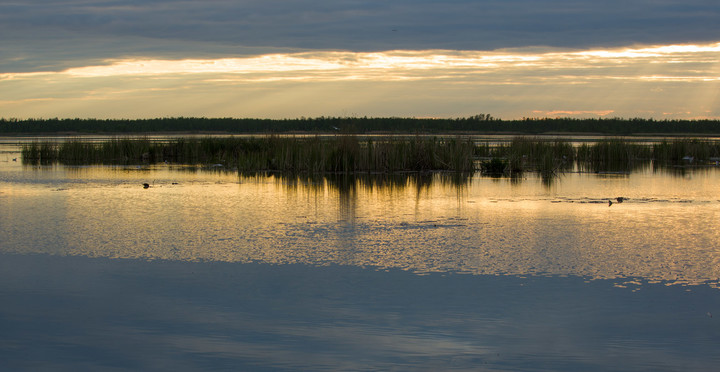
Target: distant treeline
x=482, y=123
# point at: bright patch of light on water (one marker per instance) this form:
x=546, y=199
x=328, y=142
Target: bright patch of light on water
x=663, y=231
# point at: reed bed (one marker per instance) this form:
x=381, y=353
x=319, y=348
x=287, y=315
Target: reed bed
x=542, y=156
x=527, y=154
x=340, y=154
x=686, y=151
x=613, y=155
x=351, y=154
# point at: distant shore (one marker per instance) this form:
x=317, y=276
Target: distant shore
x=475, y=125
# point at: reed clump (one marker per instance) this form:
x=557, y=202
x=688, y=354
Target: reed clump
x=349, y=154
x=76, y=152
x=683, y=151
x=613, y=155
x=528, y=154
x=39, y=153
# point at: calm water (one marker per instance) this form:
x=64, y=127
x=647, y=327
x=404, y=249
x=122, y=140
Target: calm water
x=208, y=270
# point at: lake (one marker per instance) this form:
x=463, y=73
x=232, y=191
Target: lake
x=209, y=270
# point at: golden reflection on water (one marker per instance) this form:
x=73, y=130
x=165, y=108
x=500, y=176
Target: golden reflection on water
x=665, y=231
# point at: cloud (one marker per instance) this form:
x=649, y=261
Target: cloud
x=671, y=63
x=559, y=113
x=510, y=83
x=52, y=35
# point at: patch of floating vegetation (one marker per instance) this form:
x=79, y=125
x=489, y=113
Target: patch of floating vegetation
x=350, y=154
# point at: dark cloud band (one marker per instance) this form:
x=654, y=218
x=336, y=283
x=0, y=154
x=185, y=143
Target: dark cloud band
x=51, y=35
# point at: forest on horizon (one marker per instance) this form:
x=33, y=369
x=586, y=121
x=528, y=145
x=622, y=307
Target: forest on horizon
x=477, y=124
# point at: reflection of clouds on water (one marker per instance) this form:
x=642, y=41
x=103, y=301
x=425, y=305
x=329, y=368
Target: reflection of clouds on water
x=663, y=230
x=217, y=315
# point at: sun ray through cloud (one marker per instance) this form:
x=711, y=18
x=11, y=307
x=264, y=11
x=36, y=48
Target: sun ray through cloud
x=610, y=76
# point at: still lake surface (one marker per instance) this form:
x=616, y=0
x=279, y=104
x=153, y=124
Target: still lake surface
x=209, y=270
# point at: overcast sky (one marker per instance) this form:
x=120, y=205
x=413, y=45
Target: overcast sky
x=44, y=43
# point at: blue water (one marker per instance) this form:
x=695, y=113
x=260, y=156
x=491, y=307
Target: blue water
x=79, y=313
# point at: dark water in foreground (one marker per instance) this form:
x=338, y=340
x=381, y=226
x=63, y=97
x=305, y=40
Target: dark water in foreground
x=210, y=271
x=74, y=313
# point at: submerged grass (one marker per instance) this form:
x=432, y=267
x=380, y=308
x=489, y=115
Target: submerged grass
x=351, y=154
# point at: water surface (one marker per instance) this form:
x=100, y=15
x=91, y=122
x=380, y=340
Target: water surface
x=207, y=269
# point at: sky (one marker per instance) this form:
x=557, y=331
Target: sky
x=378, y=58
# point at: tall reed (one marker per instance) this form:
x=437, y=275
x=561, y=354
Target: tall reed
x=528, y=154
x=339, y=154
x=686, y=150
x=39, y=153
x=613, y=155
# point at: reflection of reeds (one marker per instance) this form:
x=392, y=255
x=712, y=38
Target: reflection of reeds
x=349, y=182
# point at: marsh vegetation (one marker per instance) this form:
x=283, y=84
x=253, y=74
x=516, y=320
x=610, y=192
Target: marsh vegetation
x=351, y=154
x=338, y=154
